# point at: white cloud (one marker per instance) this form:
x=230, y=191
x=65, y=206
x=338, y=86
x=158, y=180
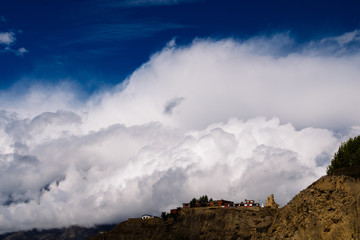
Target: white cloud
x=224, y=118
x=222, y=79
x=21, y=51
x=30, y=101
x=7, y=38
x=57, y=179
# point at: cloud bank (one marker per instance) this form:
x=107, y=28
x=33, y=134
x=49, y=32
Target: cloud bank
x=227, y=78
x=227, y=118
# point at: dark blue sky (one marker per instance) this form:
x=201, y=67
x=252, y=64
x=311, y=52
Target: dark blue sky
x=97, y=43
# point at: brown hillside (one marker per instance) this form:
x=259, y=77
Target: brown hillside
x=327, y=209
x=197, y=223
x=70, y=233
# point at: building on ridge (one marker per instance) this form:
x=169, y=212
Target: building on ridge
x=221, y=203
x=147, y=216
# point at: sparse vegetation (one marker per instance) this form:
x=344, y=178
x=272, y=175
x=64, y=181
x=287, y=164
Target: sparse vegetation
x=347, y=156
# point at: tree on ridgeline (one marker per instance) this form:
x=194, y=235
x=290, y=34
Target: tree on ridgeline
x=347, y=156
x=202, y=201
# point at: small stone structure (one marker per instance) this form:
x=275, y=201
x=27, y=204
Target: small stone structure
x=270, y=202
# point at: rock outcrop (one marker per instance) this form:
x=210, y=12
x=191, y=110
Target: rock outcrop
x=270, y=202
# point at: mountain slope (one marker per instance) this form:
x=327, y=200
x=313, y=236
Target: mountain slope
x=328, y=209
x=197, y=223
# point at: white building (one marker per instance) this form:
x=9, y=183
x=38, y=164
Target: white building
x=146, y=216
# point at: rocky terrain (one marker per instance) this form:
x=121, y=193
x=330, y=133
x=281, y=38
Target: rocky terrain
x=70, y=233
x=197, y=223
x=327, y=209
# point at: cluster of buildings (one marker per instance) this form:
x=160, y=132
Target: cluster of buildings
x=218, y=203
x=223, y=203
x=270, y=202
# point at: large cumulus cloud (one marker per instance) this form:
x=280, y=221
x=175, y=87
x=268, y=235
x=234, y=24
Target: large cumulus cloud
x=258, y=77
x=231, y=119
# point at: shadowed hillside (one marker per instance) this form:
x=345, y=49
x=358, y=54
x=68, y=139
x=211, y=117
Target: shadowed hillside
x=70, y=233
x=197, y=223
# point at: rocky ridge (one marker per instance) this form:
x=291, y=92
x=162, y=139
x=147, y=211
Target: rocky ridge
x=327, y=209
x=197, y=223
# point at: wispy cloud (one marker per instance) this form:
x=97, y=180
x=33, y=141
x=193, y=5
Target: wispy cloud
x=344, y=39
x=344, y=44
x=146, y=3
x=121, y=32
x=3, y=19
x=103, y=34
x=97, y=37
x=19, y=52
